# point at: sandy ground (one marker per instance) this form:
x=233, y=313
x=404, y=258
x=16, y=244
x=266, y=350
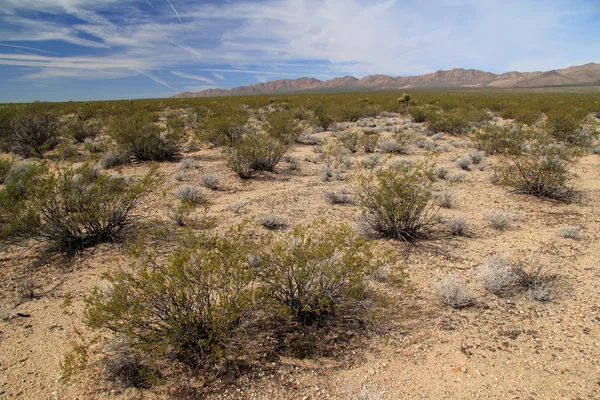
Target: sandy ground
x=501, y=348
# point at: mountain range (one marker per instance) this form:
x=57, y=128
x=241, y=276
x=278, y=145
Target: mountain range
x=588, y=74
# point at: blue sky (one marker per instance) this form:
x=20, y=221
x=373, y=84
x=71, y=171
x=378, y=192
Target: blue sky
x=113, y=49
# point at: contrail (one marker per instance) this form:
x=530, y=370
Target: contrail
x=148, y=1
x=176, y=13
x=27, y=48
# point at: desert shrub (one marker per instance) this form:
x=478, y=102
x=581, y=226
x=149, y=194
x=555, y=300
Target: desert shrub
x=419, y=114
x=441, y=172
x=393, y=145
x=121, y=364
x=314, y=269
x=369, y=142
x=497, y=219
x=255, y=152
x=224, y=125
x=453, y=293
x=283, y=126
x=322, y=117
x=113, y=159
x=188, y=305
x=453, y=122
x=139, y=136
x=536, y=281
x=445, y=198
x=459, y=227
x=33, y=135
x=350, y=140
x=569, y=128
x=211, y=181
x=186, y=163
x=464, y=163
x=75, y=208
x=5, y=166
x=396, y=202
x=311, y=140
x=329, y=173
x=179, y=176
x=190, y=194
x=569, y=232
x=476, y=157
x=508, y=139
x=94, y=145
x=342, y=196
x=271, y=221
x=457, y=177
x=80, y=130
x=496, y=276
x=543, y=171
x=370, y=161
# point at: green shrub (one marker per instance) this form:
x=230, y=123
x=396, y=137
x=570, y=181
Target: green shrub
x=80, y=130
x=255, y=152
x=350, y=140
x=419, y=114
x=5, y=166
x=139, y=136
x=282, y=126
x=507, y=139
x=569, y=129
x=543, y=171
x=34, y=135
x=397, y=202
x=189, y=305
x=453, y=122
x=369, y=142
x=71, y=208
x=224, y=125
x=322, y=117
x=313, y=269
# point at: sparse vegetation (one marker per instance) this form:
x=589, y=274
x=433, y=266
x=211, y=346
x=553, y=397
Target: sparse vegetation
x=33, y=135
x=453, y=293
x=396, y=202
x=459, y=227
x=496, y=276
x=499, y=220
x=569, y=232
x=271, y=221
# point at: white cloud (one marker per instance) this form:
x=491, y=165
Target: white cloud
x=218, y=76
x=190, y=76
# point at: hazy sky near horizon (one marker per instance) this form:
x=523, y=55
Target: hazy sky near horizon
x=115, y=49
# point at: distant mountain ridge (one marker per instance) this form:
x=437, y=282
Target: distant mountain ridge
x=588, y=74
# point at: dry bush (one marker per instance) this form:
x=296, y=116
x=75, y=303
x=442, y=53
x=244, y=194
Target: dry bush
x=190, y=194
x=496, y=276
x=342, y=196
x=370, y=161
x=441, y=172
x=459, y=227
x=32, y=135
x=445, y=198
x=536, y=281
x=569, y=232
x=211, y=181
x=464, y=163
x=271, y=221
x=396, y=202
x=499, y=220
x=453, y=293
x=369, y=142
x=350, y=140
x=329, y=173
x=476, y=157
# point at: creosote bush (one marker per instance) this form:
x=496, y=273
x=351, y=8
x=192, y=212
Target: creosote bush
x=139, y=136
x=543, y=171
x=255, y=152
x=70, y=208
x=81, y=130
x=33, y=135
x=189, y=305
x=507, y=139
x=396, y=202
x=314, y=269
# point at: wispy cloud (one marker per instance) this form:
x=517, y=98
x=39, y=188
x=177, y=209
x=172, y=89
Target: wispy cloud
x=218, y=76
x=191, y=76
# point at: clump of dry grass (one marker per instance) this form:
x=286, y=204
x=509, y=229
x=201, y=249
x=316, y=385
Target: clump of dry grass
x=453, y=293
x=497, y=219
x=271, y=221
x=496, y=275
x=342, y=196
x=211, y=181
x=459, y=227
x=569, y=232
